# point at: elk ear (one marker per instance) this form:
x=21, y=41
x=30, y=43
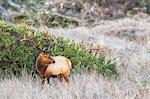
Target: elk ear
x=41, y=53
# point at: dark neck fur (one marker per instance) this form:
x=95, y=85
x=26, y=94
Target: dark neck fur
x=40, y=66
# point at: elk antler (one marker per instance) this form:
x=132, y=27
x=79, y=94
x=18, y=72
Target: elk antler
x=50, y=46
x=33, y=43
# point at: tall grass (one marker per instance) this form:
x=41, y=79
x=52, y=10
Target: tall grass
x=132, y=58
x=84, y=86
x=127, y=40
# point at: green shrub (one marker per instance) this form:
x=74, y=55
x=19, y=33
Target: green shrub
x=56, y=20
x=46, y=18
x=18, y=56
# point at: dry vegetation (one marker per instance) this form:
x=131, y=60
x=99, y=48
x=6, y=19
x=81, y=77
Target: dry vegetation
x=84, y=86
x=132, y=57
x=126, y=40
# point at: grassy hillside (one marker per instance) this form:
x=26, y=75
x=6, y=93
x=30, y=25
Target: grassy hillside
x=127, y=40
x=102, y=38
x=132, y=63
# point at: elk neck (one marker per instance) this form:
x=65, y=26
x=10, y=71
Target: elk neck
x=41, y=67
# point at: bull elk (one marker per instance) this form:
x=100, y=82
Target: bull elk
x=51, y=66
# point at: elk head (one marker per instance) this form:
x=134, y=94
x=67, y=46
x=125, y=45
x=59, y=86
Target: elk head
x=43, y=53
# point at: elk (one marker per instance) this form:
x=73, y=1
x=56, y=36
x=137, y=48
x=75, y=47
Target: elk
x=51, y=66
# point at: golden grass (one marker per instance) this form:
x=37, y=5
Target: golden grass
x=132, y=58
x=84, y=86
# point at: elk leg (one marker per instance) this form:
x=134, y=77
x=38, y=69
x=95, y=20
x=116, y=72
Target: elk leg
x=61, y=78
x=43, y=80
x=66, y=78
x=33, y=74
x=48, y=80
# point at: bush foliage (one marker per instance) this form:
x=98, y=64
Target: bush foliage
x=18, y=56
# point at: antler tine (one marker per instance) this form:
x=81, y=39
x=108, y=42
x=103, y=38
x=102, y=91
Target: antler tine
x=34, y=44
x=49, y=47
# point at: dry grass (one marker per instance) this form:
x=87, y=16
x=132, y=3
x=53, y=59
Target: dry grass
x=84, y=86
x=127, y=40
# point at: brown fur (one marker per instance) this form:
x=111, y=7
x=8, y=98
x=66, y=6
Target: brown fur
x=53, y=66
